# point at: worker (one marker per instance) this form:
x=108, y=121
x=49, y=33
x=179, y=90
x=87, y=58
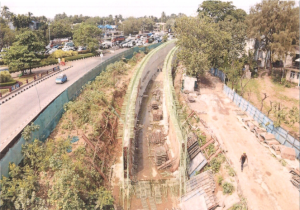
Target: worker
x=243, y=159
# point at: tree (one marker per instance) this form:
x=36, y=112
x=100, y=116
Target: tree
x=6, y=13
x=23, y=53
x=217, y=10
x=59, y=29
x=87, y=35
x=163, y=17
x=21, y=21
x=7, y=36
x=170, y=24
x=202, y=43
x=276, y=24
x=132, y=25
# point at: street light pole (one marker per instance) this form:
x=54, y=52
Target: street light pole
x=49, y=31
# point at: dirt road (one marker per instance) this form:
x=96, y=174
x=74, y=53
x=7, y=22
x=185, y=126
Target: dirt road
x=265, y=183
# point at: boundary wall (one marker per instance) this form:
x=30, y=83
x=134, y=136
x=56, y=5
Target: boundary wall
x=281, y=135
x=50, y=116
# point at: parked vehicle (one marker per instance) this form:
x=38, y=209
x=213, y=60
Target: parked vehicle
x=139, y=43
x=52, y=50
x=81, y=48
x=61, y=79
x=118, y=39
x=130, y=43
x=106, y=45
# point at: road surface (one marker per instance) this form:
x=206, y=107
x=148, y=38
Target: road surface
x=16, y=113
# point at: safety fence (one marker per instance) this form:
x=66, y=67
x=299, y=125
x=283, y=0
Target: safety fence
x=177, y=118
x=49, y=118
x=280, y=134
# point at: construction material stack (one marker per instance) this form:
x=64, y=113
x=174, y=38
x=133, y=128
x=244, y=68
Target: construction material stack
x=192, y=145
x=160, y=155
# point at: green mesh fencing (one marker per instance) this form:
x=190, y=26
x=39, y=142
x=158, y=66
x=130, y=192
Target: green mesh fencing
x=50, y=117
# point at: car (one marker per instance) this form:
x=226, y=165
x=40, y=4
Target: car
x=52, y=50
x=106, y=45
x=121, y=44
x=60, y=79
x=139, y=43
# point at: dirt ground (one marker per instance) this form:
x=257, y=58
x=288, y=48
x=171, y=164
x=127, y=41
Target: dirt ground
x=288, y=97
x=265, y=183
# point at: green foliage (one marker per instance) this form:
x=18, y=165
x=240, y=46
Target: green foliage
x=8, y=83
x=59, y=29
x=277, y=25
x=64, y=193
x=76, y=57
x=240, y=206
x=26, y=134
x=228, y=188
x=230, y=170
x=211, y=150
x=283, y=162
x=63, y=54
x=21, y=21
x=5, y=77
x=220, y=180
x=23, y=53
x=87, y=35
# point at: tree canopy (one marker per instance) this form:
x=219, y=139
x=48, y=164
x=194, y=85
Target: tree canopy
x=23, y=53
x=87, y=35
x=276, y=25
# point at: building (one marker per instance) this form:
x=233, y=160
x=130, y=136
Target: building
x=34, y=25
x=159, y=27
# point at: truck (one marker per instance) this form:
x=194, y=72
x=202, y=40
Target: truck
x=118, y=39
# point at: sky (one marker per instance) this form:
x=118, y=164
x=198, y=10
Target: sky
x=126, y=8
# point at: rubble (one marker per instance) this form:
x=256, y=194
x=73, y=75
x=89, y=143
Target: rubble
x=154, y=104
x=157, y=115
x=287, y=152
x=160, y=155
x=295, y=178
x=192, y=146
x=156, y=137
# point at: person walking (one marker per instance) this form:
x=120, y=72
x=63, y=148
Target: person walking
x=243, y=160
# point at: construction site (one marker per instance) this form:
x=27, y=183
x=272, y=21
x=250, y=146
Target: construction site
x=176, y=157
x=150, y=137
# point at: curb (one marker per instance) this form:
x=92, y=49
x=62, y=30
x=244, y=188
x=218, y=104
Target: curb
x=29, y=85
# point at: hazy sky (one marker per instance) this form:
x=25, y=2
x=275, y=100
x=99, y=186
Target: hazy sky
x=126, y=8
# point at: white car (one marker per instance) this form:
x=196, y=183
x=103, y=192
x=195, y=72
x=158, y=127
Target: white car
x=106, y=45
x=139, y=43
x=52, y=50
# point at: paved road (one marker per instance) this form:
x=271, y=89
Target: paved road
x=16, y=113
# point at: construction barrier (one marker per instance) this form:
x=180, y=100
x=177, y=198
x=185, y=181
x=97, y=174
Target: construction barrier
x=280, y=134
x=49, y=118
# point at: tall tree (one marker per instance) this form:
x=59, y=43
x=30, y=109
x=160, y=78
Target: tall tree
x=60, y=29
x=276, y=24
x=217, y=10
x=202, y=43
x=23, y=52
x=21, y=21
x=87, y=35
x=163, y=17
x=6, y=13
x=7, y=36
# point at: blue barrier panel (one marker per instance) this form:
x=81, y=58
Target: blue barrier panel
x=280, y=134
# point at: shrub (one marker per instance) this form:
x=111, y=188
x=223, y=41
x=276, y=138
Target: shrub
x=215, y=165
x=220, y=179
x=63, y=54
x=228, y=188
x=230, y=171
x=5, y=77
x=79, y=57
x=8, y=83
x=83, y=51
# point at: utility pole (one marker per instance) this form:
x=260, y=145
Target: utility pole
x=49, y=31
